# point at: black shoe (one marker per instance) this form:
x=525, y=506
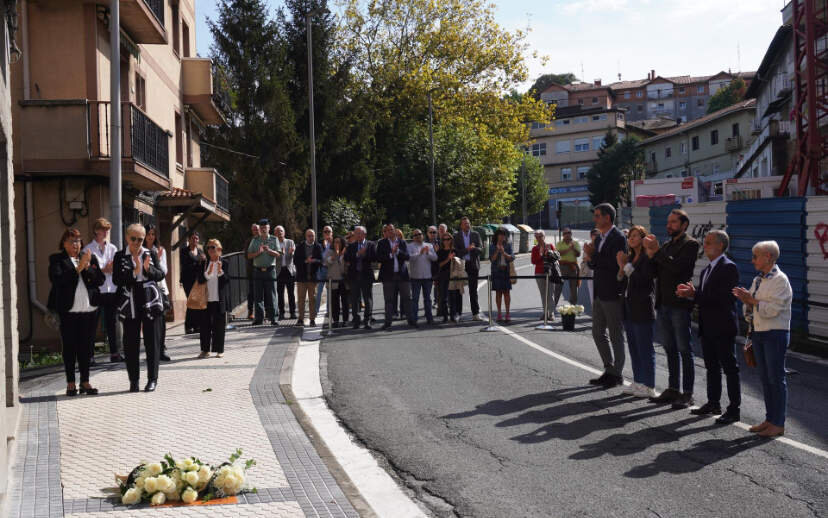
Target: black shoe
x=89, y=390
x=367, y=326
x=729, y=417
x=72, y=392
x=274, y=322
x=683, y=401
x=257, y=322
x=668, y=396
x=164, y=357
x=116, y=358
x=300, y=323
x=151, y=384
x=413, y=324
x=600, y=380
x=612, y=381
x=430, y=322
x=133, y=386
x=445, y=319
x=386, y=325
x=355, y=325
x=707, y=409
x=313, y=323
x=281, y=316
x=293, y=316
x=453, y=320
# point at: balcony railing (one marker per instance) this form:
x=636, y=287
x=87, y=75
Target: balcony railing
x=157, y=8
x=142, y=139
x=222, y=193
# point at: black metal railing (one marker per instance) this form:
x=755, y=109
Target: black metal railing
x=148, y=143
x=221, y=94
x=239, y=284
x=222, y=193
x=157, y=8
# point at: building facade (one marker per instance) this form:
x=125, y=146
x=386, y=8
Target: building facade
x=61, y=112
x=707, y=149
x=567, y=148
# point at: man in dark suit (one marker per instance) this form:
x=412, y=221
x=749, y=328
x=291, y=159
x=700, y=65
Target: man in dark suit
x=392, y=254
x=359, y=255
x=608, y=306
x=718, y=326
x=467, y=246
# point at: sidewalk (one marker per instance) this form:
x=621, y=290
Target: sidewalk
x=69, y=448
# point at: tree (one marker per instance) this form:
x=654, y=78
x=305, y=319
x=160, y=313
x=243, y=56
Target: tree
x=341, y=215
x=618, y=163
x=727, y=95
x=547, y=80
x=537, y=190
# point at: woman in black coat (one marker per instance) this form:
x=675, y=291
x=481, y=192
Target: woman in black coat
x=214, y=319
x=639, y=312
x=137, y=272
x=76, y=280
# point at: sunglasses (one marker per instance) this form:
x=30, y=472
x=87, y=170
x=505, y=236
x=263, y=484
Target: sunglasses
x=136, y=239
x=446, y=239
x=211, y=247
x=417, y=234
x=432, y=231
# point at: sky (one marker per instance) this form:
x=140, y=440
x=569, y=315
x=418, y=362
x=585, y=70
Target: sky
x=600, y=39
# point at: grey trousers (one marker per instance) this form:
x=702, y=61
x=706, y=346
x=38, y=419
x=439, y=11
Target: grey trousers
x=608, y=315
x=553, y=296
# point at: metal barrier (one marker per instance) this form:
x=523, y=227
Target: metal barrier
x=239, y=283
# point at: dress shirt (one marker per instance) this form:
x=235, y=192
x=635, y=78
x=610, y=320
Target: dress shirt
x=104, y=257
x=212, y=280
x=709, y=269
x=162, y=262
x=466, y=244
x=774, y=296
x=360, y=245
x=419, y=265
x=392, y=244
x=604, y=238
x=81, y=304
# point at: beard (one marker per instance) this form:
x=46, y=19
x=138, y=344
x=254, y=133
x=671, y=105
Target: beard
x=674, y=233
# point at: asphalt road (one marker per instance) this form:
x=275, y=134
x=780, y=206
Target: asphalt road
x=484, y=425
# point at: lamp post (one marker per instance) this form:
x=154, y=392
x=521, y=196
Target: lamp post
x=310, y=112
x=115, y=119
x=431, y=144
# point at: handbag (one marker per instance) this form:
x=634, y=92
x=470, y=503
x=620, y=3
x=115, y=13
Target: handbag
x=197, y=299
x=750, y=356
x=512, y=273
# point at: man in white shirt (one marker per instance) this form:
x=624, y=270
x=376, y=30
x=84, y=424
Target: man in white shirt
x=104, y=252
x=421, y=257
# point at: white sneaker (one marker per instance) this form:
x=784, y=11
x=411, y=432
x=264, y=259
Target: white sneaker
x=632, y=389
x=476, y=317
x=644, y=391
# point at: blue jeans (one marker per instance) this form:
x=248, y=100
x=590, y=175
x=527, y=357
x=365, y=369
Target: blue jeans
x=425, y=286
x=642, y=353
x=769, y=348
x=674, y=325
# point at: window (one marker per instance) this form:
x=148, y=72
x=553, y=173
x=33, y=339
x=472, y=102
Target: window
x=694, y=143
x=538, y=125
x=582, y=172
x=700, y=89
x=681, y=89
x=185, y=38
x=699, y=102
x=619, y=117
x=604, y=116
x=594, y=100
x=682, y=105
x=714, y=137
x=179, y=144
x=581, y=145
x=639, y=94
x=627, y=95
x=596, y=117
x=140, y=92
x=660, y=106
x=734, y=130
x=580, y=102
x=683, y=148
x=652, y=157
x=640, y=108
x=684, y=173
x=597, y=142
x=539, y=149
x=566, y=174
x=668, y=152
x=176, y=37
x=562, y=146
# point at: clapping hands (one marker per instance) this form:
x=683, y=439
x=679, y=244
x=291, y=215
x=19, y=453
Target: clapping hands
x=686, y=290
x=622, y=258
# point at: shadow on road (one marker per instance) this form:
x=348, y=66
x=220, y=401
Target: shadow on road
x=501, y=407
x=696, y=457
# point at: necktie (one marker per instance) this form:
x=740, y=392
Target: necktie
x=705, y=275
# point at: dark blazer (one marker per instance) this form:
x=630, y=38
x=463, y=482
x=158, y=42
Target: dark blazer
x=123, y=277
x=64, y=279
x=351, y=259
x=189, y=266
x=303, y=268
x=639, y=296
x=604, y=266
x=223, y=283
x=435, y=266
x=675, y=261
x=460, y=249
x=386, y=261
x=718, y=315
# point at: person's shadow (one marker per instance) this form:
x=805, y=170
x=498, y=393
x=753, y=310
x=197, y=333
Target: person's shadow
x=502, y=407
x=696, y=457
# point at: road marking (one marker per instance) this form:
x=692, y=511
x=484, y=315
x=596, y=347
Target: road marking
x=790, y=442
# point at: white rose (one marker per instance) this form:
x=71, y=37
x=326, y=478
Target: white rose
x=132, y=496
x=151, y=485
x=204, y=474
x=158, y=498
x=154, y=468
x=172, y=496
x=139, y=482
x=191, y=477
x=165, y=483
x=580, y=308
x=186, y=464
x=189, y=496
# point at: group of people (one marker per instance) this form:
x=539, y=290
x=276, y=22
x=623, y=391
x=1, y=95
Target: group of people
x=127, y=290
x=640, y=284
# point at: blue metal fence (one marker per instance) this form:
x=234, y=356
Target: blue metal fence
x=658, y=220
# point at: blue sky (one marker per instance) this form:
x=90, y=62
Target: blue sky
x=631, y=37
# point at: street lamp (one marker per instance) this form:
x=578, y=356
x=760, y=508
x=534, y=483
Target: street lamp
x=310, y=110
x=431, y=143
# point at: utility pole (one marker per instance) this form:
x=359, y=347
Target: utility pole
x=310, y=113
x=431, y=143
x=115, y=236
x=523, y=187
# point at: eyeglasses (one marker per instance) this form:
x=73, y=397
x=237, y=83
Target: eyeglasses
x=211, y=247
x=432, y=231
x=136, y=239
x=416, y=234
x=75, y=241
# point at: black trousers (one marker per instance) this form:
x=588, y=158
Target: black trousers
x=720, y=355
x=339, y=302
x=362, y=288
x=191, y=320
x=213, y=325
x=132, y=346
x=77, y=332
x=285, y=281
x=473, y=274
x=251, y=300
x=108, y=313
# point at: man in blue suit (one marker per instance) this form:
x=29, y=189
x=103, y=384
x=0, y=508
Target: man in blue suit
x=718, y=326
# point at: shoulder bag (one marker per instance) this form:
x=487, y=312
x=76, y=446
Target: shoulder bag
x=197, y=299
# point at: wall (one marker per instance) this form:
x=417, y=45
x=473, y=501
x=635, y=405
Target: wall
x=816, y=234
x=705, y=217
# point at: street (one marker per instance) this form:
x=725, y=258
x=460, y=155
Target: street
x=504, y=424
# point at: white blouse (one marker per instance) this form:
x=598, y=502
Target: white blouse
x=212, y=280
x=774, y=296
x=81, y=304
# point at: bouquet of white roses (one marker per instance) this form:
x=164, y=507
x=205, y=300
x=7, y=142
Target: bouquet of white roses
x=184, y=480
x=571, y=309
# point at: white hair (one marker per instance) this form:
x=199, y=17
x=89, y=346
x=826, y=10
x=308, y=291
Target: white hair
x=361, y=229
x=278, y=227
x=136, y=228
x=771, y=247
x=540, y=233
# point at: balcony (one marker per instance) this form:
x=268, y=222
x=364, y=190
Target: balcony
x=72, y=137
x=143, y=20
x=214, y=188
x=733, y=143
x=197, y=85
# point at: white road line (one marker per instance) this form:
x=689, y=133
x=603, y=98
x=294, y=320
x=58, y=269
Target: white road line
x=790, y=442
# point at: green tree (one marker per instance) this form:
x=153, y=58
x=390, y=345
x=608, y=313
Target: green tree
x=537, y=190
x=547, y=80
x=341, y=215
x=618, y=163
x=727, y=95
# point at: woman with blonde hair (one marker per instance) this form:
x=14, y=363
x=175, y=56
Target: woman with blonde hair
x=214, y=318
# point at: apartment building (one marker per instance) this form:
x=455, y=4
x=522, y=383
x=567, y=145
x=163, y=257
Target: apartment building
x=61, y=116
x=680, y=98
x=707, y=148
x=567, y=148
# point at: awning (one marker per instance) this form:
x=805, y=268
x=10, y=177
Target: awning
x=783, y=98
x=192, y=204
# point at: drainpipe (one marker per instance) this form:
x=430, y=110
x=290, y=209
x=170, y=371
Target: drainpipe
x=24, y=33
x=30, y=251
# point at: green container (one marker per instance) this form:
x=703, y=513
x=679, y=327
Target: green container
x=486, y=239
